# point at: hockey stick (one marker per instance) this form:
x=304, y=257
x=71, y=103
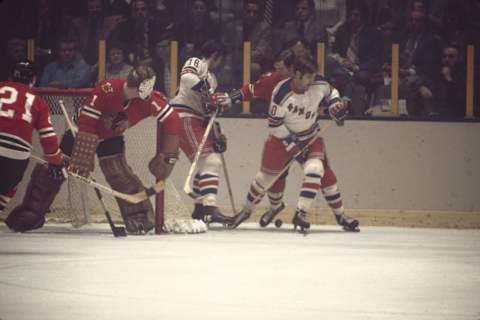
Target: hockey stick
x=132, y=198
x=216, y=130
x=187, y=187
x=117, y=231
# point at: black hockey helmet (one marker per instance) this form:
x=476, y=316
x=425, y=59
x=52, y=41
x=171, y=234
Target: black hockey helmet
x=24, y=71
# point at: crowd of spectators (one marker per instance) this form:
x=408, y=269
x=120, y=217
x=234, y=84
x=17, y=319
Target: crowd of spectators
x=433, y=36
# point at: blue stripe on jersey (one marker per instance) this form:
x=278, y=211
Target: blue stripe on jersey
x=319, y=77
x=282, y=92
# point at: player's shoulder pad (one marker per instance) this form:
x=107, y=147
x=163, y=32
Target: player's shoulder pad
x=281, y=91
x=196, y=66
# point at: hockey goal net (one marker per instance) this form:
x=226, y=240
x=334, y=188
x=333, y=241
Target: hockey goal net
x=77, y=203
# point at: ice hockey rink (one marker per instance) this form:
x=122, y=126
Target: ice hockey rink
x=380, y=273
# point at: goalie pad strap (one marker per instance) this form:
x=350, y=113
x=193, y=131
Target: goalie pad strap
x=138, y=217
x=83, y=152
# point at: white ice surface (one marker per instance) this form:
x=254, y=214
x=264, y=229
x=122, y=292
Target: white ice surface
x=379, y=273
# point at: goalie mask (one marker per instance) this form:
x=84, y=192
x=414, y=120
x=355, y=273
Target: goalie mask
x=146, y=87
x=143, y=79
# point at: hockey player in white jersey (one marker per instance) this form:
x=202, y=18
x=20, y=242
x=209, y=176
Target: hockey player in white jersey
x=293, y=115
x=195, y=102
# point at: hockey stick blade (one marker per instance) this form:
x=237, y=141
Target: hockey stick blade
x=117, y=231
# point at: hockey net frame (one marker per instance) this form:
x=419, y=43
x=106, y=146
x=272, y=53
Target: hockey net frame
x=77, y=203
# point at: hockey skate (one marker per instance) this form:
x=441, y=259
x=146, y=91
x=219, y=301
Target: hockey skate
x=300, y=220
x=211, y=214
x=240, y=217
x=268, y=216
x=348, y=224
x=197, y=213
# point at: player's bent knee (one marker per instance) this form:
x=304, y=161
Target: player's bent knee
x=264, y=180
x=314, y=166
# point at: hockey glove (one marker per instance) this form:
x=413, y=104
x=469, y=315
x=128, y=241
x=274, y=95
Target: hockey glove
x=57, y=172
x=303, y=155
x=338, y=111
x=290, y=142
x=220, y=144
x=220, y=101
x=120, y=122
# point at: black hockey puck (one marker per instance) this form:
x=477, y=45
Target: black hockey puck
x=278, y=223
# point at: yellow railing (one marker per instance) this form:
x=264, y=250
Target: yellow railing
x=469, y=113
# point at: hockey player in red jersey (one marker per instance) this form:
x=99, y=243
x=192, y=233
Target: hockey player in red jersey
x=21, y=111
x=113, y=107
x=274, y=160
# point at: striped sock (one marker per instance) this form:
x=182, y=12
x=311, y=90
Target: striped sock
x=255, y=195
x=334, y=199
x=308, y=192
x=275, y=199
x=208, y=186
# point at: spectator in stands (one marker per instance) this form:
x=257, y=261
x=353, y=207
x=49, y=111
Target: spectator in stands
x=16, y=51
x=333, y=14
x=305, y=25
x=357, y=50
x=69, y=70
x=444, y=94
x=117, y=68
x=88, y=29
x=197, y=28
x=118, y=8
x=454, y=28
x=161, y=65
x=138, y=33
x=420, y=52
x=259, y=33
x=44, y=28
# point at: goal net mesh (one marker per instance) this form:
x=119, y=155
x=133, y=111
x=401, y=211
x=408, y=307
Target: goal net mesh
x=77, y=203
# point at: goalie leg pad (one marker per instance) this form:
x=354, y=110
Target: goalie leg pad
x=41, y=192
x=138, y=217
x=21, y=220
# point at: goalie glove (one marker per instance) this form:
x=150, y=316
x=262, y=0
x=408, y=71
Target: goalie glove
x=57, y=171
x=338, y=111
x=220, y=143
x=120, y=122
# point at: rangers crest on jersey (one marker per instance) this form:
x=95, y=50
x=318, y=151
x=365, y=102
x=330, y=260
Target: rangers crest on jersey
x=107, y=87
